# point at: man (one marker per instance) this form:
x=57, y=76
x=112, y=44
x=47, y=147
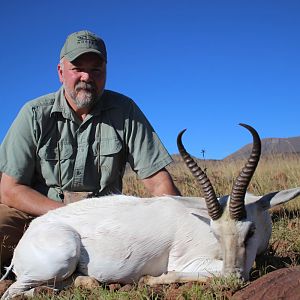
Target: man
x=77, y=139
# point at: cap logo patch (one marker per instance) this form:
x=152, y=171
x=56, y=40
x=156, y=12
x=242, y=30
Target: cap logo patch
x=83, y=39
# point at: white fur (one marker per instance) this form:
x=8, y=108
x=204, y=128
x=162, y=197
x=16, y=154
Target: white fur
x=121, y=239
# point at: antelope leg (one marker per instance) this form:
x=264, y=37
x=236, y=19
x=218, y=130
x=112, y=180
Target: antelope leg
x=174, y=277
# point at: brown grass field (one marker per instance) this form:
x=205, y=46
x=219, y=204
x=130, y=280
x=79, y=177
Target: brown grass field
x=273, y=173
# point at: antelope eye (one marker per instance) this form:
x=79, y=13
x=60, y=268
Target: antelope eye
x=249, y=234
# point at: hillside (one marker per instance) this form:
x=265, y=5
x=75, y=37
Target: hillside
x=271, y=146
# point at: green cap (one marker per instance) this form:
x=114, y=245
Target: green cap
x=82, y=42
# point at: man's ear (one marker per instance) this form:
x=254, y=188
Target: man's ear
x=60, y=73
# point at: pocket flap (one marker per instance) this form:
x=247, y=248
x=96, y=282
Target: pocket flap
x=49, y=152
x=108, y=146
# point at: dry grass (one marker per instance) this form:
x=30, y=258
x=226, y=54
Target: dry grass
x=273, y=173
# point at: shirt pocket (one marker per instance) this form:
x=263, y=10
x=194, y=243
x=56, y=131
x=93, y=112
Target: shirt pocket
x=109, y=154
x=56, y=160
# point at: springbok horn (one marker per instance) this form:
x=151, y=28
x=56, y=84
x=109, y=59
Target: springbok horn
x=237, y=198
x=214, y=208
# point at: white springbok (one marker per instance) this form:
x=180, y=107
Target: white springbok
x=156, y=240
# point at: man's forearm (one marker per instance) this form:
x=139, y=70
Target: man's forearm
x=25, y=198
x=161, y=183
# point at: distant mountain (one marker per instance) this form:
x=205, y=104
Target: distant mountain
x=270, y=146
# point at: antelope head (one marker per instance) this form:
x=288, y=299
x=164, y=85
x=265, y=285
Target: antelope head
x=232, y=222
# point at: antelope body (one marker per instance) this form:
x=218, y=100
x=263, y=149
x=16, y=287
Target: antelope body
x=152, y=240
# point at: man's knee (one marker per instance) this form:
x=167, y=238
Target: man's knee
x=13, y=224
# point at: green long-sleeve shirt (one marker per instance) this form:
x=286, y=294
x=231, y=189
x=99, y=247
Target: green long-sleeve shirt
x=47, y=146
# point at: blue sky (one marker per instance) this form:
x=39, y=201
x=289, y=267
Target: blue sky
x=201, y=65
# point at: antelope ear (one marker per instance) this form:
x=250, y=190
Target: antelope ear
x=272, y=199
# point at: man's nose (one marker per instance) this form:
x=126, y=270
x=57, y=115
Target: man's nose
x=85, y=76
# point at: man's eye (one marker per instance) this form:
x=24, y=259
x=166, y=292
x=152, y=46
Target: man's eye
x=97, y=72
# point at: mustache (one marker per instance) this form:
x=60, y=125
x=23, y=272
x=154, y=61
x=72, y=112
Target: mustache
x=84, y=86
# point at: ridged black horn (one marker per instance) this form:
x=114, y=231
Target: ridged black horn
x=213, y=206
x=237, y=198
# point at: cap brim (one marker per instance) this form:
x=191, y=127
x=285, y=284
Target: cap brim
x=76, y=53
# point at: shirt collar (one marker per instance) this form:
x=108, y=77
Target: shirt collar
x=61, y=105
